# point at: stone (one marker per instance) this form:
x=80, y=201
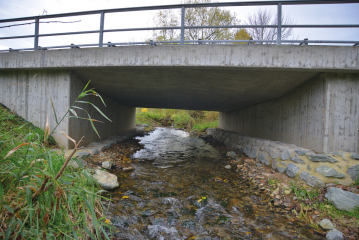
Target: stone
x=231, y=154
x=274, y=154
x=253, y=153
x=285, y=155
x=322, y=158
x=259, y=165
x=303, y=152
x=263, y=159
x=329, y=172
x=296, y=159
x=82, y=154
x=309, y=168
x=106, y=180
x=107, y=165
x=228, y=167
x=326, y=224
x=247, y=150
x=342, y=200
x=355, y=156
x=353, y=172
x=73, y=163
x=311, y=180
x=334, y=235
x=274, y=164
x=128, y=169
x=140, y=129
x=281, y=169
x=291, y=170
x=283, y=163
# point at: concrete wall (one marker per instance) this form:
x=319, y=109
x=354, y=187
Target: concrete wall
x=321, y=114
x=122, y=117
x=27, y=93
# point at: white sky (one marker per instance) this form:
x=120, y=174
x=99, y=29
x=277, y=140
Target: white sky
x=301, y=14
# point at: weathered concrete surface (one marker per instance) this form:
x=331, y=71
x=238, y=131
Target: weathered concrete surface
x=28, y=93
x=322, y=114
x=205, y=77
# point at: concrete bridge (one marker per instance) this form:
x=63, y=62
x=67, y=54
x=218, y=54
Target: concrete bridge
x=305, y=95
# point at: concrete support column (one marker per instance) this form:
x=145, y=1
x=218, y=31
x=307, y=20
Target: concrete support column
x=321, y=114
x=28, y=93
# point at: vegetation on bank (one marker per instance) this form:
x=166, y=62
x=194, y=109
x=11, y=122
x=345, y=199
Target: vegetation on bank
x=190, y=120
x=40, y=196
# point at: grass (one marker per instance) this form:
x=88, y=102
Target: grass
x=187, y=119
x=38, y=199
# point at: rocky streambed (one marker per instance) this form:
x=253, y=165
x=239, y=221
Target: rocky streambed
x=174, y=185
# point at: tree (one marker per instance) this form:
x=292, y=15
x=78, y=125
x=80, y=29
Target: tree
x=242, y=34
x=265, y=17
x=201, y=16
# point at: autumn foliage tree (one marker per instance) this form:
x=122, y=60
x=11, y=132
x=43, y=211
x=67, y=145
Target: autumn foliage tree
x=199, y=16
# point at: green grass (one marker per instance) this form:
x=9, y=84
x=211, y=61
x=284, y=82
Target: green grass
x=69, y=209
x=188, y=119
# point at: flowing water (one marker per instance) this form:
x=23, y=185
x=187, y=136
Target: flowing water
x=181, y=190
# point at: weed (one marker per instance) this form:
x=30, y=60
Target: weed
x=39, y=196
x=302, y=192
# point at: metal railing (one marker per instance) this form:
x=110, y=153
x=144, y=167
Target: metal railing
x=182, y=40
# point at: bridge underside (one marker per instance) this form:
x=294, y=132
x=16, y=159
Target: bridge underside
x=305, y=95
x=193, y=88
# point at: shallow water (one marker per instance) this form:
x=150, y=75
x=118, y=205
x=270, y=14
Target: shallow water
x=181, y=190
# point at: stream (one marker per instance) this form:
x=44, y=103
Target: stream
x=181, y=190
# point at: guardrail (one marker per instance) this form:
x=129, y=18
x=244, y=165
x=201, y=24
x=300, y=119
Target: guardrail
x=182, y=41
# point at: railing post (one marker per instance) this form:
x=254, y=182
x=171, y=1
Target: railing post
x=279, y=29
x=182, y=24
x=102, y=22
x=36, y=37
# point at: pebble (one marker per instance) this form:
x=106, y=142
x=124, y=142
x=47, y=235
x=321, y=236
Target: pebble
x=334, y=235
x=228, y=167
x=107, y=165
x=326, y=224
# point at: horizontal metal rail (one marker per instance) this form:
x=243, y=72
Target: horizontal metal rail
x=102, y=13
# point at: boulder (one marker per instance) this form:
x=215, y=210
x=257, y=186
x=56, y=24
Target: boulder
x=296, y=159
x=329, y=172
x=353, y=172
x=285, y=155
x=334, y=235
x=303, y=152
x=291, y=170
x=322, y=158
x=355, y=156
x=311, y=180
x=326, y=224
x=281, y=169
x=253, y=153
x=107, y=165
x=342, y=200
x=106, y=180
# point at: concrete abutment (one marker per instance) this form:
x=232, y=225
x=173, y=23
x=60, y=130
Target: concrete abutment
x=322, y=114
x=28, y=92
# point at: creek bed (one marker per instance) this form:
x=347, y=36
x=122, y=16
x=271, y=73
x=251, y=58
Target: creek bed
x=181, y=190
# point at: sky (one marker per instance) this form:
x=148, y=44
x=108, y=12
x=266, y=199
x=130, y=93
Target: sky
x=300, y=14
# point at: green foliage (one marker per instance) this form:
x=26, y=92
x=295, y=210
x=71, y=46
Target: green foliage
x=36, y=200
x=183, y=119
x=202, y=126
x=302, y=192
x=15, y=125
x=189, y=119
